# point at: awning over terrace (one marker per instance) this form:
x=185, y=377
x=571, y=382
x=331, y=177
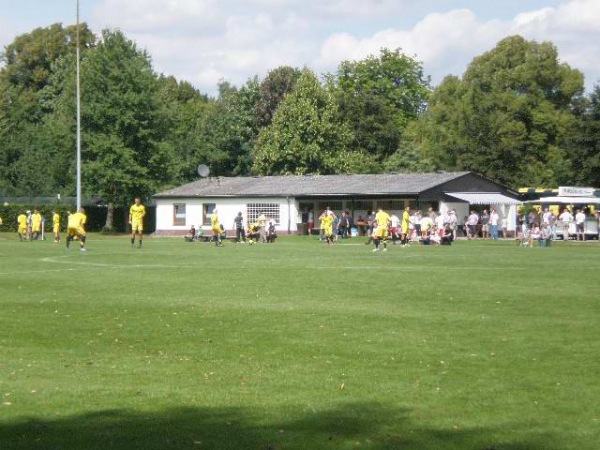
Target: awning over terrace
x=567, y=200
x=484, y=198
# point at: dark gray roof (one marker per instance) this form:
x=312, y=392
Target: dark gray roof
x=313, y=185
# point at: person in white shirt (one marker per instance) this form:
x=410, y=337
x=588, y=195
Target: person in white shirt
x=453, y=221
x=395, y=227
x=565, y=219
x=440, y=221
x=426, y=226
x=494, y=220
x=580, y=225
x=472, y=222
x=414, y=225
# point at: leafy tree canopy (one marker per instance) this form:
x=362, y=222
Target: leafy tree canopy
x=507, y=118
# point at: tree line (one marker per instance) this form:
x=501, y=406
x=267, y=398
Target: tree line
x=517, y=115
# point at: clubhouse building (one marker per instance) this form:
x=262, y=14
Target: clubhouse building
x=291, y=200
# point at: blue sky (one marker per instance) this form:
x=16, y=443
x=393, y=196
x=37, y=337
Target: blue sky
x=204, y=41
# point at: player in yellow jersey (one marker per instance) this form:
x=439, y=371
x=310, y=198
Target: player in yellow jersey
x=75, y=227
x=36, y=224
x=22, y=226
x=327, y=219
x=137, y=212
x=380, y=233
x=215, y=225
x=405, y=231
x=56, y=226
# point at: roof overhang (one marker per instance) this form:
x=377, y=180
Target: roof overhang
x=484, y=198
x=567, y=200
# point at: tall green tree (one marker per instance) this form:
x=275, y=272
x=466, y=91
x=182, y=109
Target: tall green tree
x=508, y=117
x=27, y=157
x=228, y=130
x=123, y=151
x=585, y=149
x=379, y=97
x=277, y=84
x=306, y=134
x=183, y=106
x=28, y=64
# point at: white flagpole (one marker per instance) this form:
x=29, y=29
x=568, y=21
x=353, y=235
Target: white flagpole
x=78, y=94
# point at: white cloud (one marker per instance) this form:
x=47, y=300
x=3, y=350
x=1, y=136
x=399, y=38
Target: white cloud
x=160, y=16
x=447, y=42
x=203, y=41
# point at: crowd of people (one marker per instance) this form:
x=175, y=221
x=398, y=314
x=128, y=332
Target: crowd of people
x=381, y=227
x=543, y=227
x=262, y=230
x=533, y=226
x=436, y=228
x=31, y=225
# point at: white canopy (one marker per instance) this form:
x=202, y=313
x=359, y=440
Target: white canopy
x=563, y=200
x=484, y=198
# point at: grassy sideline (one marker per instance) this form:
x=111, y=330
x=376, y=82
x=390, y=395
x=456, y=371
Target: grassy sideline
x=298, y=346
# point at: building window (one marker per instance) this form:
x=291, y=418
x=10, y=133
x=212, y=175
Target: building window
x=271, y=210
x=179, y=214
x=363, y=205
x=207, y=211
x=390, y=205
x=335, y=205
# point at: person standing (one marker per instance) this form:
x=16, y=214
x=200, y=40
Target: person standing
x=22, y=226
x=343, y=225
x=565, y=219
x=580, y=225
x=327, y=226
x=453, y=221
x=405, y=227
x=394, y=227
x=76, y=228
x=29, y=225
x=240, y=233
x=56, y=226
x=137, y=212
x=310, y=222
x=485, y=225
x=414, y=225
x=36, y=225
x=494, y=220
x=552, y=224
x=370, y=220
x=380, y=234
x=215, y=226
x=432, y=214
x=261, y=220
x=472, y=222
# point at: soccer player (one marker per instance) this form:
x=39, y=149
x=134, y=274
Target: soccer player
x=22, y=226
x=36, y=224
x=215, y=225
x=405, y=235
x=327, y=219
x=56, y=226
x=381, y=231
x=75, y=227
x=137, y=212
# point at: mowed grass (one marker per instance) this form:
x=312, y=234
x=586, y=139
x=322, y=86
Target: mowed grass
x=295, y=345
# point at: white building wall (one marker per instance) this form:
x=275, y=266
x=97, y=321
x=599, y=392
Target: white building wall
x=227, y=208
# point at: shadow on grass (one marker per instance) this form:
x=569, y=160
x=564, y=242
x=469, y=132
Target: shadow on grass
x=349, y=426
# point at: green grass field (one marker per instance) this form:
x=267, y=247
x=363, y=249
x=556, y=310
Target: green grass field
x=295, y=345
